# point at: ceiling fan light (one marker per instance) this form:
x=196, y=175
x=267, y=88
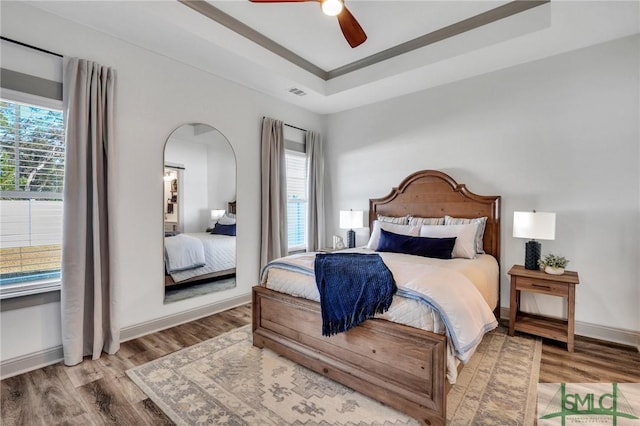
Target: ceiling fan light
x=332, y=7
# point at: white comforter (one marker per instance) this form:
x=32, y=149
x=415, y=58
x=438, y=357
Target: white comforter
x=183, y=252
x=434, y=296
x=219, y=255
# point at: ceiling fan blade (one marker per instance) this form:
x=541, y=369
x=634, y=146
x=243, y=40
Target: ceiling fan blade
x=351, y=29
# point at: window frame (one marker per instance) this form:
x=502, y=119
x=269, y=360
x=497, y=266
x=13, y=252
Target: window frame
x=35, y=287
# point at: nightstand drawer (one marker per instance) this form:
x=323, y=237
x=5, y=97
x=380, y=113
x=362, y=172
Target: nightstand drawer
x=542, y=286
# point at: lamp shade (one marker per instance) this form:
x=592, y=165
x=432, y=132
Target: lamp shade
x=534, y=225
x=217, y=214
x=350, y=219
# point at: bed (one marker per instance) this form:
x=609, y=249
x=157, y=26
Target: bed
x=399, y=365
x=200, y=256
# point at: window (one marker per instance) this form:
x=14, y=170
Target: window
x=32, y=152
x=296, y=200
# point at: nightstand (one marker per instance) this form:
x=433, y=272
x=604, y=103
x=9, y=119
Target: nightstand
x=535, y=281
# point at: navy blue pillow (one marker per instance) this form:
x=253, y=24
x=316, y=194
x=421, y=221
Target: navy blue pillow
x=224, y=229
x=439, y=248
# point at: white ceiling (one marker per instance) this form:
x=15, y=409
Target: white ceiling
x=306, y=31
x=175, y=30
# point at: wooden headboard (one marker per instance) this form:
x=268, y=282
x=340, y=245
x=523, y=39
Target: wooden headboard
x=231, y=207
x=430, y=193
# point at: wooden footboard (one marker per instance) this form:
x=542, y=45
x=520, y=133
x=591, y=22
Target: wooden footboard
x=400, y=366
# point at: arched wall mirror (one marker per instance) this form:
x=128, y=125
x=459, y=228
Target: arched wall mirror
x=199, y=193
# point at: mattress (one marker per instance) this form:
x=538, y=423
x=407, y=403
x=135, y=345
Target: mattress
x=219, y=255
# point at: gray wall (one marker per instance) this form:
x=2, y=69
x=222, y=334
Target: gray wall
x=155, y=96
x=559, y=134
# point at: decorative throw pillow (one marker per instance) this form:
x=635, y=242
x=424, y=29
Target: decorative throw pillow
x=419, y=221
x=400, y=220
x=392, y=227
x=482, y=221
x=465, y=241
x=221, y=229
x=439, y=248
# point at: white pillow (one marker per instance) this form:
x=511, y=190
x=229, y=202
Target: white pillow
x=482, y=223
x=413, y=231
x=227, y=219
x=465, y=237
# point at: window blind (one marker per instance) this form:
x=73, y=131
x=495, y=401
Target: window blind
x=296, y=199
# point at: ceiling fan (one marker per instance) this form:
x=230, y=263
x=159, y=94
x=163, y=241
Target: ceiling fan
x=353, y=32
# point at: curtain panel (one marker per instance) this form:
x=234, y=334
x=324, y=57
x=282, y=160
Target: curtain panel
x=88, y=296
x=315, y=191
x=273, y=206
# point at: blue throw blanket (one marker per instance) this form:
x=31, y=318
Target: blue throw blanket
x=353, y=287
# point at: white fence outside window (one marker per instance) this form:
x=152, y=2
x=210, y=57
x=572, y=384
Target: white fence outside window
x=30, y=223
x=30, y=246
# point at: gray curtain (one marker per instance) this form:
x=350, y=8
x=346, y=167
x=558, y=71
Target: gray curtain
x=88, y=300
x=315, y=191
x=273, y=241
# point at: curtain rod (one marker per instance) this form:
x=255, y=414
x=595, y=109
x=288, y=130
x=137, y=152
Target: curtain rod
x=30, y=46
x=294, y=127
x=169, y=166
x=290, y=125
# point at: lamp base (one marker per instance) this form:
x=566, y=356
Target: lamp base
x=351, y=238
x=532, y=255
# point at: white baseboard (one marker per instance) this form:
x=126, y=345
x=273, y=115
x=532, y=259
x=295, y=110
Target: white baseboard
x=138, y=330
x=600, y=332
x=610, y=334
x=25, y=363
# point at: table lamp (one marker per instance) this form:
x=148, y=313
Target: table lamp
x=216, y=215
x=536, y=226
x=350, y=219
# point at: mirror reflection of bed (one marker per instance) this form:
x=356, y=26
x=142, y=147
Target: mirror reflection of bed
x=199, y=191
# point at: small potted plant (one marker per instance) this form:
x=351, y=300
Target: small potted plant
x=553, y=264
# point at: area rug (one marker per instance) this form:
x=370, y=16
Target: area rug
x=227, y=381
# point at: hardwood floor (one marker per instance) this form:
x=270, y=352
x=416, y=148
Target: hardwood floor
x=99, y=392
x=593, y=361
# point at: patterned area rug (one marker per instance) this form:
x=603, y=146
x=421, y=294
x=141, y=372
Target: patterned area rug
x=227, y=381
